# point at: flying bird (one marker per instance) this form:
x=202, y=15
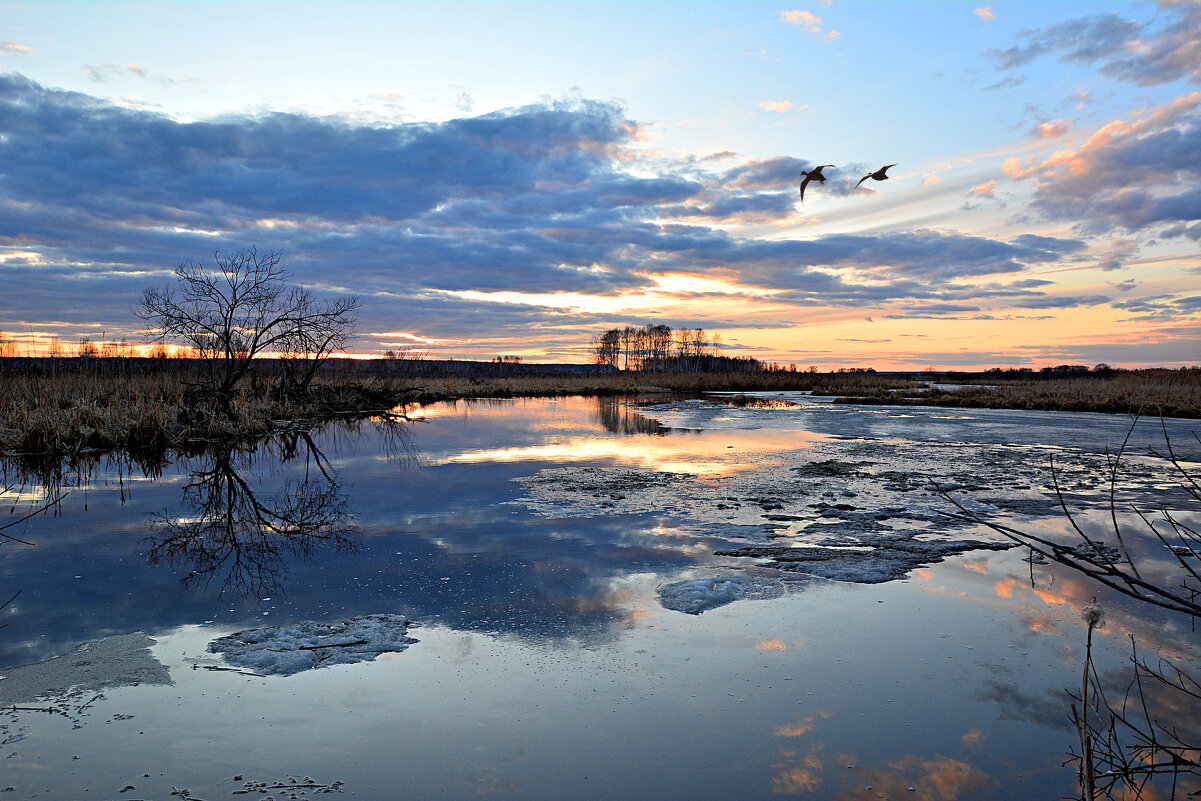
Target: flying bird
x=878, y=175
x=813, y=175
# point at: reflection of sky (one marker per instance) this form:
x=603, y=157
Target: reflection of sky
x=698, y=454
x=555, y=436
x=548, y=631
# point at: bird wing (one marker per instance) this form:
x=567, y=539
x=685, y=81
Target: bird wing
x=864, y=178
x=804, y=183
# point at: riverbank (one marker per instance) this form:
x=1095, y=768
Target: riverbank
x=148, y=407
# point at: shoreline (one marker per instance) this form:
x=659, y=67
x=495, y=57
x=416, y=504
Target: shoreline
x=146, y=408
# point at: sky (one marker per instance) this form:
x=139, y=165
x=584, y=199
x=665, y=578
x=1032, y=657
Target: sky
x=514, y=178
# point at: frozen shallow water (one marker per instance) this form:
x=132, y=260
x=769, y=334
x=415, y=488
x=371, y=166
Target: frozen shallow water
x=683, y=599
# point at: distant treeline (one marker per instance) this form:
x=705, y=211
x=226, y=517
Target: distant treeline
x=657, y=348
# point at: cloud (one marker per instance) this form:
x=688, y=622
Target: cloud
x=984, y=190
x=1127, y=174
x=931, y=178
x=439, y=227
x=985, y=13
x=778, y=106
x=14, y=49
x=1051, y=129
x=107, y=73
x=803, y=19
x=1125, y=50
x=1162, y=307
x=462, y=101
x=1008, y=82
x=810, y=23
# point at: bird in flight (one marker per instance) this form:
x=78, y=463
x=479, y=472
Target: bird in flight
x=878, y=175
x=813, y=175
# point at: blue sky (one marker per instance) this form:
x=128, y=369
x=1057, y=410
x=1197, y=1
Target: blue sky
x=511, y=178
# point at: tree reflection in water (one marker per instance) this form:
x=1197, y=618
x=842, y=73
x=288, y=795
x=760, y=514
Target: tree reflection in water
x=230, y=532
x=614, y=415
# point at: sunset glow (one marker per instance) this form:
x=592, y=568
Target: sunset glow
x=1043, y=208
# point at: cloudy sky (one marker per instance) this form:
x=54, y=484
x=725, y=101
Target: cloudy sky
x=512, y=178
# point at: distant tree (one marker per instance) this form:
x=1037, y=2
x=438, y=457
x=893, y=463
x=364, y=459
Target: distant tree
x=244, y=309
x=606, y=348
x=86, y=349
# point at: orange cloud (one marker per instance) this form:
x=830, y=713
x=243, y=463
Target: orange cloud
x=1014, y=169
x=972, y=737
x=771, y=645
x=1004, y=589
x=985, y=13
x=1090, y=156
x=931, y=178
x=778, y=106
x=985, y=190
x=979, y=567
x=1053, y=129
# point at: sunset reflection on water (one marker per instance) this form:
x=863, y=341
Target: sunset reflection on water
x=567, y=433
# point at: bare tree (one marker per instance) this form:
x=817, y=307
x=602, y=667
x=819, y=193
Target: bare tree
x=241, y=310
x=327, y=329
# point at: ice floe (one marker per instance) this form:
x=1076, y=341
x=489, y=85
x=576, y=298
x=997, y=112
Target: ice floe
x=693, y=596
x=284, y=650
x=872, y=560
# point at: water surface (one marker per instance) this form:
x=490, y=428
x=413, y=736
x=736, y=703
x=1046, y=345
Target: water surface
x=532, y=542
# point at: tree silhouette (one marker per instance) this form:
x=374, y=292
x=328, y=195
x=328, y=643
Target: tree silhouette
x=244, y=309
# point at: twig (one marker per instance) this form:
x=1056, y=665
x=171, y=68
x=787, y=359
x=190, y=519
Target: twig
x=334, y=645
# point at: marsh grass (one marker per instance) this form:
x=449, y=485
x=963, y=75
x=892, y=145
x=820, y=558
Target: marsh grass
x=68, y=413
x=1170, y=393
x=66, y=408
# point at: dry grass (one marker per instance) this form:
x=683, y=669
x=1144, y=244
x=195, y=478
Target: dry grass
x=70, y=412
x=143, y=408
x=1171, y=393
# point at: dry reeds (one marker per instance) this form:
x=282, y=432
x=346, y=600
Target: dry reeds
x=1170, y=393
x=146, y=407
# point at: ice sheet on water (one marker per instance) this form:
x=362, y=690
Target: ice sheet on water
x=116, y=661
x=292, y=648
x=693, y=596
